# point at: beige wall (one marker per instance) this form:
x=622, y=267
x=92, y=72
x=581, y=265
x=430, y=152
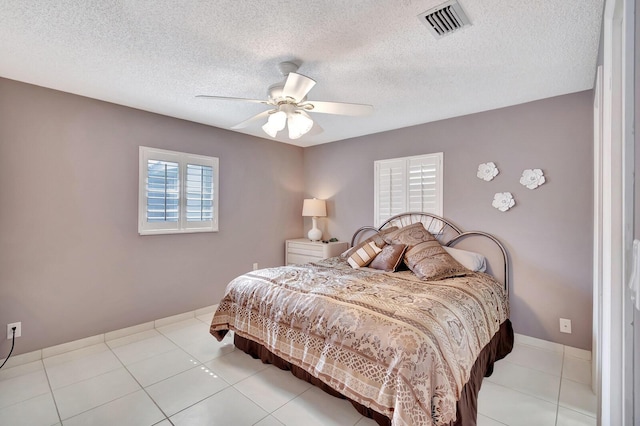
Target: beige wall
x=548, y=233
x=72, y=263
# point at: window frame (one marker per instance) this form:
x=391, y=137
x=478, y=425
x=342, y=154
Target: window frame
x=182, y=226
x=405, y=164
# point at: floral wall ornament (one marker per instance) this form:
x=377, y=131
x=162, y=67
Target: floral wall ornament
x=532, y=178
x=503, y=201
x=487, y=171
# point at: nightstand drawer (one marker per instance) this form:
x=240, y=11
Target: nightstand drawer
x=316, y=247
x=305, y=250
x=302, y=250
x=298, y=259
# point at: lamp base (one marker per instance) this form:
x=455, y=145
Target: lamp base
x=315, y=234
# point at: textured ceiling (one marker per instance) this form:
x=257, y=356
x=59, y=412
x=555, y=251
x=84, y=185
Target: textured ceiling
x=156, y=55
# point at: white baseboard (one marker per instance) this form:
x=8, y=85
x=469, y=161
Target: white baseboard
x=72, y=346
x=123, y=332
x=21, y=359
x=551, y=346
x=538, y=343
x=39, y=354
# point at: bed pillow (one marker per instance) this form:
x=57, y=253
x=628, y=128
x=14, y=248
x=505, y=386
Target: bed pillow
x=377, y=238
x=409, y=235
x=364, y=255
x=390, y=258
x=470, y=260
x=430, y=261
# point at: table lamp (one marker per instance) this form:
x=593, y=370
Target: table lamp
x=314, y=208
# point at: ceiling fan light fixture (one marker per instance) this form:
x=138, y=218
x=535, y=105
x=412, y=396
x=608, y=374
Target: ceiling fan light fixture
x=269, y=129
x=278, y=120
x=275, y=123
x=288, y=107
x=299, y=124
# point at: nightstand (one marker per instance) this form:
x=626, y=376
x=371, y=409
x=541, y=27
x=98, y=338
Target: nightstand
x=302, y=250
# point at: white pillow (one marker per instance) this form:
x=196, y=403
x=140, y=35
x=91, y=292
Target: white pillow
x=470, y=260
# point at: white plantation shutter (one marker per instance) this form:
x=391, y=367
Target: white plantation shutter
x=425, y=184
x=390, y=193
x=178, y=192
x=163, y=191
x=409, y=184
x=199, y=193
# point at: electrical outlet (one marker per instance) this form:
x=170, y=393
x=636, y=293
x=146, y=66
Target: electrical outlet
x=565, y=325
x=255, y=266
x=18, y=326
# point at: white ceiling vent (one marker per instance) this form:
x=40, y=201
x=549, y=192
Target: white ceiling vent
x=444, y=19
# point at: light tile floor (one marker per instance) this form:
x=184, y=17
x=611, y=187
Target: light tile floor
x=179, y=375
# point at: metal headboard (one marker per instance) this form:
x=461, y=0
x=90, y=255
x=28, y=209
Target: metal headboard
x=447, y=233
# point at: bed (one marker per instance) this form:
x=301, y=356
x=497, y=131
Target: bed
x=407, y=347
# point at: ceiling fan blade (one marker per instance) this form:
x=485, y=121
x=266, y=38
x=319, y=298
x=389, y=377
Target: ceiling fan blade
x=225, y=98
x=297, y=86
x=340, y=108
x=248, y=122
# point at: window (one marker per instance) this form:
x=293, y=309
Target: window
x=408, y=184
x=178, y=192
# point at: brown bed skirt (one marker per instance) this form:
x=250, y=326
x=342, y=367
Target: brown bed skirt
x=499, y=346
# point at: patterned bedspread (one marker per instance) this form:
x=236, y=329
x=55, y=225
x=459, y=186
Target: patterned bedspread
x=390, y=341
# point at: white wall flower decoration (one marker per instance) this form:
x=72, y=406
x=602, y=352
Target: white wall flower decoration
x=532, y=178
x=487, y=171
x=503, y=201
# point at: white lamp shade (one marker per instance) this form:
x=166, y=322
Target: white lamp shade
x=314, y=207
x=268, y=129
x=275, y=123
x=299, y=124
x=278, y=120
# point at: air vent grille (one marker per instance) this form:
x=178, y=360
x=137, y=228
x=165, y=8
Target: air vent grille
x=444, y=19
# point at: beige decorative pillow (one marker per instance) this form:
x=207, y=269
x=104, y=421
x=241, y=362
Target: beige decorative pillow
x=377, y=238
x=409, y=235
x=390, y=258
x=364, y=255
x=430, y=261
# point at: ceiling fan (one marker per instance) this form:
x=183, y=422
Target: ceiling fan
x=289, y=105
